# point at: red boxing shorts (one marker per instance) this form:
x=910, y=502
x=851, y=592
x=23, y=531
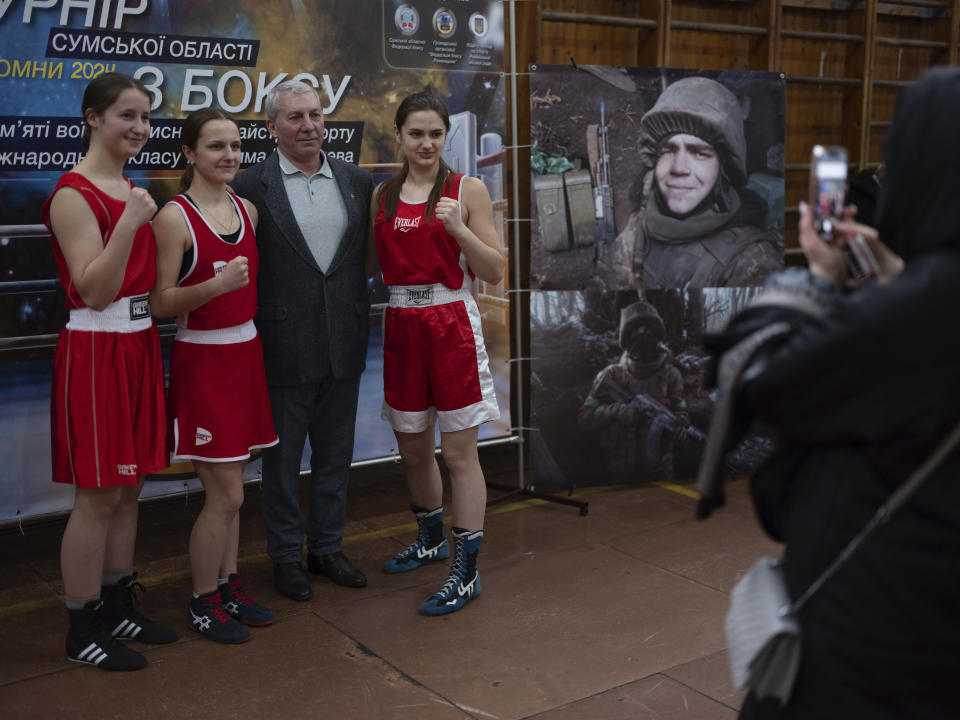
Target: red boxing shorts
x=218, y=403
x=435, y=365
x=107, y=416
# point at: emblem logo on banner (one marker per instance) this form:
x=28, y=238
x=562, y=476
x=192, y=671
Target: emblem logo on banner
x=479, y=25
x=407, y=19
x=444, y=22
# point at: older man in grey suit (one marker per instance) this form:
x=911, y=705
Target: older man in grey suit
x=313, y=323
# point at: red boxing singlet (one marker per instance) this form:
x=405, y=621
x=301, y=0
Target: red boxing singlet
x=415, y=251
x=435, y=365
x=211, y=253
x=219, y=409
x=141, y=271
x=106, y=404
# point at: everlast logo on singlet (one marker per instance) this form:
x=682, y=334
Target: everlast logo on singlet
x=404, y=224
x=420, y=296
x=139, y=307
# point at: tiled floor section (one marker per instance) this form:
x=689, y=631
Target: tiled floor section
x=617, y=614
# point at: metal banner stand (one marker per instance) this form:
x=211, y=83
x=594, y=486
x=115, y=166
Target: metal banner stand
x=523, y=490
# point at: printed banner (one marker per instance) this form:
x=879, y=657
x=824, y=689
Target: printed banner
x=362, y=57
x=655, y=178
x=616, y=385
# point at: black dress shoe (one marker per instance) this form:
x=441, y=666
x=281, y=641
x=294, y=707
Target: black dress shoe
x=336, y=567
x=291, y=580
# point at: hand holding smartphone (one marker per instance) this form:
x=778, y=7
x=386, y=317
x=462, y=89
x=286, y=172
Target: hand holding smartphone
x=828, y=179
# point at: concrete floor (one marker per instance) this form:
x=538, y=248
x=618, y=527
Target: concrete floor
x=616, y=614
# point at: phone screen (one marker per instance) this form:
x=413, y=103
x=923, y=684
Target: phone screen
x=828, y=180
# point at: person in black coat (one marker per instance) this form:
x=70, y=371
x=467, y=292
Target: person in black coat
x=858, y=391
x=313, y=320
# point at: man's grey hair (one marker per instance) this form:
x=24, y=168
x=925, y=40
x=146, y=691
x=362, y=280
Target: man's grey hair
x=297, y=87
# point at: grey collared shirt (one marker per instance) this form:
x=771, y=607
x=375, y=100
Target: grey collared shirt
x=318, y=207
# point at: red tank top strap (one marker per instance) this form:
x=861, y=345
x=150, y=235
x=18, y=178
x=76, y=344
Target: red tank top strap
x=194, y=214
x=188, y=208
x=95, y=197
x=140, y=270
x=242, y=209
x=451, y=188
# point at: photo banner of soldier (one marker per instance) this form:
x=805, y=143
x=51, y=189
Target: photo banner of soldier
x=363, y=58
x=655, y=178
x=658, y=210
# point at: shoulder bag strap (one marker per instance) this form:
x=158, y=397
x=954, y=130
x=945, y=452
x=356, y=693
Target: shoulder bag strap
x=883, y=513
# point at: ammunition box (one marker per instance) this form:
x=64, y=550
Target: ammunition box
x=551, y=212
x=580, y=207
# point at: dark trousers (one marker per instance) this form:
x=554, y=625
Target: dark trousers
x=326, y=412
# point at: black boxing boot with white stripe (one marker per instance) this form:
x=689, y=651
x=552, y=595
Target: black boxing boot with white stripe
x=121, y=619
x=88, y=642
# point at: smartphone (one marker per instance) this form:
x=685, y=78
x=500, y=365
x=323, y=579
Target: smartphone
x=828, y=185
x=828, y=180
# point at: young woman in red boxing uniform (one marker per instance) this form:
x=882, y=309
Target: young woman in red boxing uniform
x=218, y=405
x=107, y=413
x=434, y=234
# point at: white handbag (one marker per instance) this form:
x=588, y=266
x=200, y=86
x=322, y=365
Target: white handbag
x=763, y=635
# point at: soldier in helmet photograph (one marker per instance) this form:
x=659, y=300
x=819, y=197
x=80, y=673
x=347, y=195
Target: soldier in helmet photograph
x=696, y=223
x=617, y=390
x=637, y=403
x=687, y=177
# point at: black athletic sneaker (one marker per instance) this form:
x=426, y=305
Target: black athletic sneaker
x=209, y=618
x=121, y=619
x=89, y=643
x=240, y=607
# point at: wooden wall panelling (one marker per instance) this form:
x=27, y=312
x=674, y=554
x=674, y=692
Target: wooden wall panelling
x=528, y=37
x=661, y=10
x=910, y=37
x=722, y=35
x=845, y=61
x=953, y=35
x=600, y=32
x=860, y=58
x=821, y=52
x=766, y=14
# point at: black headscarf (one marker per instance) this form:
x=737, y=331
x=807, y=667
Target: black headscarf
x=919, y=205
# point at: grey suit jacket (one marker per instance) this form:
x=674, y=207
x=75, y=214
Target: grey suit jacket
x=310, y=323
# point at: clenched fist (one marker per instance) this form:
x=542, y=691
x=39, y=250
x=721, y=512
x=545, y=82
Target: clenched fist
x=235, y=275
x=140, y=207
x=448, y=212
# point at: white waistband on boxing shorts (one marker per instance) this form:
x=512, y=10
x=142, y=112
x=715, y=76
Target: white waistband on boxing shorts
x=408, y=296
x=126, y=315
x=220, y=336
